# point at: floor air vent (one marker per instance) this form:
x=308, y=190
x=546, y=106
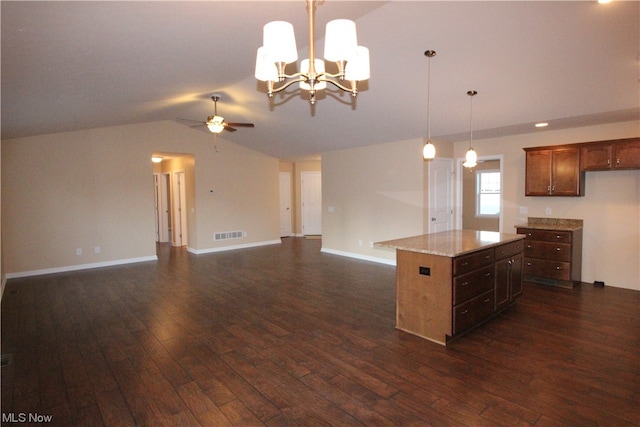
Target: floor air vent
x=226, y=235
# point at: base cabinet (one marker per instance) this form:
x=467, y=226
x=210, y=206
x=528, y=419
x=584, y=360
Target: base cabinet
x=440, y=297
x=508, y=281
x=552, y=256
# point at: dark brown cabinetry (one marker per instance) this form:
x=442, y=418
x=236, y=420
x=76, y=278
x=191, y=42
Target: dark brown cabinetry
x=611, y=155
x=553, y=172
x=490, y=281
x=473, y=283
x=508, y=271
x=552, y=256
x=447, y=283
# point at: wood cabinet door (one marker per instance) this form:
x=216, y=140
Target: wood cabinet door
x=565, y=172
x=627, y=155
x=596, y=157
x=538, y=173
x=516, y=276
x=501, y=291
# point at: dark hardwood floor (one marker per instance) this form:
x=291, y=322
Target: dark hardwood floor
x=286, y=335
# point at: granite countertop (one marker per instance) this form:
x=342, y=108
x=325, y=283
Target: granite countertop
x=556, y=224
x=450, y=243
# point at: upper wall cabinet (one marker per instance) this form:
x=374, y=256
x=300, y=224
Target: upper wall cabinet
x=608, y=155
x=553, y=171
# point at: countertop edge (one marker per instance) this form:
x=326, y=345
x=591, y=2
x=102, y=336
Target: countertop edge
x=483, y=246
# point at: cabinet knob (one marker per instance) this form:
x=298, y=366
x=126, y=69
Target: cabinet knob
x=487, y=274
x=487, y=300
x=558, y=268
x=558, y=249
x=464, y=283
x=464, y=311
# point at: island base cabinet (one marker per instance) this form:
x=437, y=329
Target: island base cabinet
x=472, y=312
x=441, y=297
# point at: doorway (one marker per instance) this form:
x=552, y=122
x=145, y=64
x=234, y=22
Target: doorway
x=480, y=195
x=285, y=204
x=163, y=206
x=179, y=209
x=440, y=213
x=311, y=194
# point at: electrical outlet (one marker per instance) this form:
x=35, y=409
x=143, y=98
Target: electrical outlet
x=425, y=271
x=96, y=249
x=79, y=251
x=547, y=211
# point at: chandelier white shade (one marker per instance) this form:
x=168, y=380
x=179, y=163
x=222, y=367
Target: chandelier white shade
x=341, y=47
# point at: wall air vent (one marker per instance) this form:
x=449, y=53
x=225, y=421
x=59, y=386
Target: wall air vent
x=226, y=235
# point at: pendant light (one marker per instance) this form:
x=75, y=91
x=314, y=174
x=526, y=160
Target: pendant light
x=471, y=158
x=429, y=150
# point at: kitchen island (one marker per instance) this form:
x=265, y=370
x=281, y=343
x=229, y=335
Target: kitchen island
x=447, y=283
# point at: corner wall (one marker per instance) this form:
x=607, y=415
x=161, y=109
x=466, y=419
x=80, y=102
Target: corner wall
x=94, y=188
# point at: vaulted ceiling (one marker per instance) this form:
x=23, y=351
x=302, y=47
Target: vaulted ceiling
x=79, y=65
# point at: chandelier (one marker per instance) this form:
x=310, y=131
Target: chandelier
x=341, y=47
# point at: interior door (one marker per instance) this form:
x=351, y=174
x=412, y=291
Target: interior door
x=285, y=204
x=311, y=189
x=179, y=210
x=440, y=195
x=162, y=206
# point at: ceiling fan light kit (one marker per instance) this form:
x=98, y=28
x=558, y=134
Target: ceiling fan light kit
x=341, y=47
x=216, y=123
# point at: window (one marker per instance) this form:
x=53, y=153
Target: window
x=488, y=193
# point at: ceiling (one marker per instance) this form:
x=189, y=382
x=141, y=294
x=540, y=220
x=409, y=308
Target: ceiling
x=79, y=65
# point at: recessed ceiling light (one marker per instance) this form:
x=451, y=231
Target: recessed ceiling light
x=604, y=1
x=541, y=124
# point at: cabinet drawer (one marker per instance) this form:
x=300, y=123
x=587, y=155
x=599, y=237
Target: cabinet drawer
x=548, y=250
x=510, y=249
x=546, y=235
x=472, y=284
x=547, y=268
x=467, y=263
x=472, y=312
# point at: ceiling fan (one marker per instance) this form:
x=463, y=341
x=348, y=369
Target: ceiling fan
x=216, y=123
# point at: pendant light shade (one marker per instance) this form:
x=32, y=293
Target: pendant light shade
x=429, y=150
x=471, y=158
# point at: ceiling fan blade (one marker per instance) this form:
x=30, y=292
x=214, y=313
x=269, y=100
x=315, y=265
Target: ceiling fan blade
x=229, y=128
x=200, y=122
x=243, y=125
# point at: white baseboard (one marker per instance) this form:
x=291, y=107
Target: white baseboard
x=79, y=267
x=359, y=256
x=233, y=247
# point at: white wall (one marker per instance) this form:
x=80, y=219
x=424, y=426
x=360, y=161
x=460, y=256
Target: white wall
x=370, y=194
x=377, y=194
x=91, y=188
